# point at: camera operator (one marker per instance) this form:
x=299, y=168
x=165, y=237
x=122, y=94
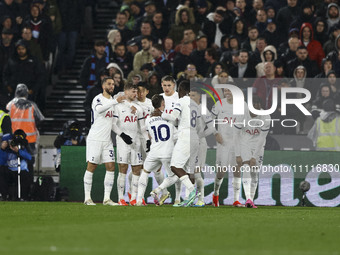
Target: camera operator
x=13, y=147
x=70, y=136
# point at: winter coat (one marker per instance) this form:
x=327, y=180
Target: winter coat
x=314, y=48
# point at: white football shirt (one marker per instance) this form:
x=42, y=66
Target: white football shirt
x=101, y=120
x=162, y=136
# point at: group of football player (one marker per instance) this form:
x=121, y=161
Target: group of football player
x=169, y=132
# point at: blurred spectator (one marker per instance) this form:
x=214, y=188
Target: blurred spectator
x=131, y=19
x=144, y=55
x=93, y=64
x=32, y=45
x=70, y=136
x=120, y=24
x=197, y=55
x=189, y=36
x=154, y=84
x=6, y=51
x=268, y=55
x=169, y=52
x=263, y=86
x=132, y=47
x=333, y=36
x=211, y=57
x=9, y=153
x=159, y=26
x=145, y=30
x=160, y=64
x=122, y=58
x=320, y=28
x=184, y=20
x=233, y=48
x=250, y=43
x=331, y=80
x=326, y=66
x=243, y=69
x=302, y=59
x=325, y=92
x=272, y=35
x=24, y=68
x=290, y=52
x=72, y=15
x=113, y=38
x=41, y=30
x=150, y=10
x=261, y=21
x=189, y=74
x=182, y=58
x=222, y=78
x=325, y=132
x=333, y=14
x=239, y=29
x=314, y=48
x=119, y=82
x=306, y=15
x=215, y=27
x=286, y=15
x=201, y=11
x=261, y=44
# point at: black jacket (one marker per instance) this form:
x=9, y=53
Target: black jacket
x=29, y=71
x=180, y=63
x=209, y=29
x=72, y=14
x=310, y=65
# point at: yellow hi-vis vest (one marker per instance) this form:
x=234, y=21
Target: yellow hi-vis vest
x=2, y=116
x=328, y=135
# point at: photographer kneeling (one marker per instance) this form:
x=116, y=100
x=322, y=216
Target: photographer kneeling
x=13, y=147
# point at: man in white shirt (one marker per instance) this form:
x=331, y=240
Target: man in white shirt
x=128, y=125
x=249, y=143
x=162, y=143
x=186, y=148
x=225, y=152
x=99, y=147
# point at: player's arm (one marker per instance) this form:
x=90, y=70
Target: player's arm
x=209, y=123
x=142, y=126
x=173, y=115
x=100, y=107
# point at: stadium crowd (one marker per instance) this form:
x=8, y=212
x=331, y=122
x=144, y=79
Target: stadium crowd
x=283, y=42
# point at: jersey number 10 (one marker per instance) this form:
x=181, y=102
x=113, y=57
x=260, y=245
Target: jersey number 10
x=158, y=133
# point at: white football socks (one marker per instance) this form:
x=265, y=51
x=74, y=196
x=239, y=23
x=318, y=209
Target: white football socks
x=121, y=185
x=159, y=176
x=108, y=183
x=87, y=184
x=178, y=189
x=254, y=182
x=200, y=185
x=142, y=183
x=246, y=179
x=187, y=183
x=168, y=181
x=134, y=184
x=130, y=180
x=237, y=188
x=217, y=186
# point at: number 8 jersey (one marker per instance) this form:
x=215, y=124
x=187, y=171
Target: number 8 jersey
x=162, y=136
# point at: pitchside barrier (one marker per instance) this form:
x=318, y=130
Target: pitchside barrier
x=279, y=179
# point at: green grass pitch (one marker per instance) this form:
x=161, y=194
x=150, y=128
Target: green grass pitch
x=73, y=228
